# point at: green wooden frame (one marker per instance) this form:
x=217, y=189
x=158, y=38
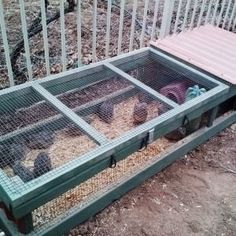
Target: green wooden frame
x=37, y=192
x=104, y=198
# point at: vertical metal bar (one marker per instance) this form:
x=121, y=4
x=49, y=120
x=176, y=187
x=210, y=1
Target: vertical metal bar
x=186, y=15
x=201, y=13
x=208, y=11
x=221, y=12
x=94, y=43
x=63, y=36
x=6, y=45
x=131, y=42
x=79, y=35
x=232, y=16
x=122, y=8
x=177, y=16
x=25, y=38
x=45, y=36
x=215, y=12
x=144, y=22
x=194, y=14
x=226, y=13
x=166, y=18
x=155, y=19
x=108, y=27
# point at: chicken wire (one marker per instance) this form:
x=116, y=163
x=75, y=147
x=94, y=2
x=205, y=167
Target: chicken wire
x=36, y=139
x=163, y=78
x=60, y=207
x=114, y=105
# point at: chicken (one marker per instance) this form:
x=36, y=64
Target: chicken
x=42, y=164
x=106, y=111
x=23, y=172
x=144, y=97
x=140, y=113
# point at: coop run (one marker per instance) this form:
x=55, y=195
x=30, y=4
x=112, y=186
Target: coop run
x=71, y=144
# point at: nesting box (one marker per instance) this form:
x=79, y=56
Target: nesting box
x=76, y=134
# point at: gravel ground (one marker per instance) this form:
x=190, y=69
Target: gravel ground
x=194, y=196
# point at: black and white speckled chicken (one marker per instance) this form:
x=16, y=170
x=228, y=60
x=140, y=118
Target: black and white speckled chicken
x=106, y=111
x=140, y=113
x=23, y=172
x=42, y=164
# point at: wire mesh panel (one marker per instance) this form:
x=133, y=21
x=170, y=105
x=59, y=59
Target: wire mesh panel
x=36, y=139
x=57, y=209
x=113, y=106
x=165, y=79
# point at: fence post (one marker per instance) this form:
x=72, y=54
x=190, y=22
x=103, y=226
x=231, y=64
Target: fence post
x=6, y=45
x=166, y=18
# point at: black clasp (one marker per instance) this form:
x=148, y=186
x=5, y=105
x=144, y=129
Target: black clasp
x=185, y=120
x=144, y=143
x=113, y=162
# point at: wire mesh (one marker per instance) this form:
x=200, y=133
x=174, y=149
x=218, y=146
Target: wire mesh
x=58, y=208
x=36, y=139
x=113, y=106
x=164, y=79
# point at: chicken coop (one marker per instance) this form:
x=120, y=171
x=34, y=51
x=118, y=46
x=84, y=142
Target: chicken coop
x=72, y=144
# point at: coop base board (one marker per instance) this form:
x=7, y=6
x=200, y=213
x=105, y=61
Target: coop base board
x=96, y=205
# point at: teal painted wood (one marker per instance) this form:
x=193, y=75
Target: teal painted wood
x=5, y=186
x=45, y=183
x=209, y=76
x=17, y=99
x=141, y=85
x=82, y=80
x=101, y=201
x=74, y=180
x=212, y=115
x=7, y=226
x=88, y=70
x=76, y=167
x=90, y=131
x=82, y=110
x=185, y=68
x=65, y=81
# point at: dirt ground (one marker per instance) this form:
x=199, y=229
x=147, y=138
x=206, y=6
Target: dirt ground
x=194, y=196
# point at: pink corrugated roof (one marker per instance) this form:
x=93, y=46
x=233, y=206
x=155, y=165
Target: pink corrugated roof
x=210, y=48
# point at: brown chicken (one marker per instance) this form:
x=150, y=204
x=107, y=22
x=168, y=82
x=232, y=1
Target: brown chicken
x=106, y=111
x=140, y=113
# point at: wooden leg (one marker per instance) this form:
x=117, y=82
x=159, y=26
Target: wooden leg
x=24, y=224
x=212, y=115
x=234, y=104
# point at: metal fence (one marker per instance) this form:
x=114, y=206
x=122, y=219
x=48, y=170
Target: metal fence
x=39, y=38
